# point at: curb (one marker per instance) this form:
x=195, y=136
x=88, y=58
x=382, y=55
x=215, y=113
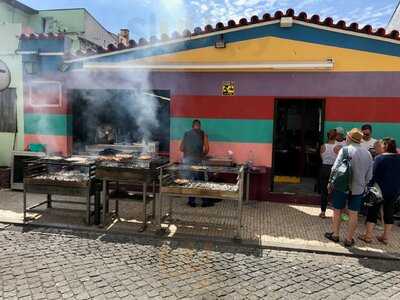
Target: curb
x=352, y=252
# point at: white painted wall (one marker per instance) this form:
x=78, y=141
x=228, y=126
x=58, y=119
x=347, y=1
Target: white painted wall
x=9, y=34
x=96, y=33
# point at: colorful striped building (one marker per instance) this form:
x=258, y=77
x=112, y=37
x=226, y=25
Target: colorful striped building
x=233, y=77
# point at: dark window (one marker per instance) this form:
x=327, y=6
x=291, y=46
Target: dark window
x=8, y=110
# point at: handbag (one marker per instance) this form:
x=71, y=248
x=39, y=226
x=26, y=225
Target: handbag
x=341, y=176
x=397, y=207
x=373, y=196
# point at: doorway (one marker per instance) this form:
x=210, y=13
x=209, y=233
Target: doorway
x=298, y=134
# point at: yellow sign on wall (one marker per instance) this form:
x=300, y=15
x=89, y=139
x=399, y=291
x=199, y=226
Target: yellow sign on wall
x=228, y=88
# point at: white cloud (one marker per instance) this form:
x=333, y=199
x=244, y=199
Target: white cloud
x=361, y=11
x=203, y=8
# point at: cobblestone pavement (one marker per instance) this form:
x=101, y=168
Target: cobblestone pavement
x=54, y=264
x=264, y=223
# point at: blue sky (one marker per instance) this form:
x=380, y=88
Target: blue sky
x=152, y=17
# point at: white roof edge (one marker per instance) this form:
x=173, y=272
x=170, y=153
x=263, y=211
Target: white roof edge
x=283, y=65
x=359, y=34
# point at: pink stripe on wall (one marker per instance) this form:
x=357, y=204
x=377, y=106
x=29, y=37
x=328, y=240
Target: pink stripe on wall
x=54, y=144
x=262, y=153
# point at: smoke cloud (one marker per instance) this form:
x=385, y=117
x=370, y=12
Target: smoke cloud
x=121, y=96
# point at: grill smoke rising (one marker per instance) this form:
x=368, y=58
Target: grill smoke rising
x=144, y=108
x=141, y=108
x=132, y=115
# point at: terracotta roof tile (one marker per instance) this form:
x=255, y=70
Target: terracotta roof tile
x=302, y=16
x=43, y=36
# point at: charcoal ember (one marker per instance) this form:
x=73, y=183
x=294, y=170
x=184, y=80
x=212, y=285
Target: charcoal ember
x=65, y=176
x=108, y=163
x=134, y=164
x=52, y=158
x=79, y=159
x=124, y=156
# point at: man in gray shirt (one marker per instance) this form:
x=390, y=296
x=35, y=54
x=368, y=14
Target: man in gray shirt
x=361, y=165
x=195, y=147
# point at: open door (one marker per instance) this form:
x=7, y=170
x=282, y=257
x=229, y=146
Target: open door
x=298, y=135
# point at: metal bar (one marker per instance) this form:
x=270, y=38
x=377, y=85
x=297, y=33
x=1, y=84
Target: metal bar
x=34, y=206
x=159, y=199
x=88, y=208
x=104, y=199
x=240, y=203
x=68, y=202
x=97, y=207
x=247, y=186
x=24, y=207
x=144, y=206
x=202, y=196
x=117, y=208
x=48, y=200
x=158, y=212
x=170, y=207
x=154, y=200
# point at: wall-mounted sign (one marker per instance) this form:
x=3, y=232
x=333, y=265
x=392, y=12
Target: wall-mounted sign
x=45, y=94
x=228, y=88
x=5, y=76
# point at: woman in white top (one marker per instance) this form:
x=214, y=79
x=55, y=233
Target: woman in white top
x=328, y=152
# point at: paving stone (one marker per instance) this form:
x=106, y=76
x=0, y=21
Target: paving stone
x=82, y=266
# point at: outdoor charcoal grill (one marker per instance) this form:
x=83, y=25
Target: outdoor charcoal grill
x=129, y=171
x=174, y=184
x=150, y=147
x=73, y=176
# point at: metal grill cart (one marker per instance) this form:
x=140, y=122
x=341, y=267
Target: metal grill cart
x=73, y=176
x=131, y=171
x=174, y=184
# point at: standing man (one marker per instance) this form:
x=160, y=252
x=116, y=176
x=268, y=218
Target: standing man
x=368, y=141
x=105, y=134
x=360, y=176
x=195, y=147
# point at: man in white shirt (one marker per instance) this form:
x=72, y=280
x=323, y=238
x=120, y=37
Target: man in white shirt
x=361, y=166
x=368, y=142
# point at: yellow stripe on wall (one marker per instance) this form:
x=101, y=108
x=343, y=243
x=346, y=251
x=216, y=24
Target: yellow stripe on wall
x=272, y=49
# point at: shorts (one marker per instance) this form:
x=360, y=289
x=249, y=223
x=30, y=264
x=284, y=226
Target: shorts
x=388, y=211
x=340, y=199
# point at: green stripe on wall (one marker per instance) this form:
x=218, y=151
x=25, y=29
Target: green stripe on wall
x=48, y=124
x=380, y=130
x=227, y=130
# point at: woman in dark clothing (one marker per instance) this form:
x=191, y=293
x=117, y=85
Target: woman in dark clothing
x=328, y=154
x=387, y=176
